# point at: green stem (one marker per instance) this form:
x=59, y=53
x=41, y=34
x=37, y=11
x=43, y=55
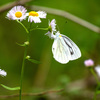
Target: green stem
x=98, y=83
x=22, y=26
x=22, y=72
x=95, y=95
x=23, y=63
x=92, y=71
x=39, y=29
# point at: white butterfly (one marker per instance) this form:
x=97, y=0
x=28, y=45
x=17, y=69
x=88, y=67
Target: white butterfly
x=64, y=49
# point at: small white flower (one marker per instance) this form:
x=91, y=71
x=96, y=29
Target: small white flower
x=89, y=62
x=17, y=13
x=3, y=73
x=35, y=16
x=52, y=25
x=97, y=69
x=51, y=29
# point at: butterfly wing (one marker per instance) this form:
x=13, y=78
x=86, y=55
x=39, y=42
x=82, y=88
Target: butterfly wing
x=60, y=51
x=64, y=49
x=73, y=48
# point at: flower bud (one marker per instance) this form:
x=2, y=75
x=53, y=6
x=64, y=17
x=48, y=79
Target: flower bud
x=27, y=57
x=88, y=62
x=26, y=43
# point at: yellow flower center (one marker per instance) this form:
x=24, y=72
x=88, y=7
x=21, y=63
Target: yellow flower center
x=33, y=13
x=60, y=36
x=18, y=14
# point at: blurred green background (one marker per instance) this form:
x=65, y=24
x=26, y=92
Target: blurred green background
x=50, y=74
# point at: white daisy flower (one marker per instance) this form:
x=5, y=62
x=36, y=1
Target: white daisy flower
x=97, y=69
x=35, y=16
x=3, y=73
x=51, y=29
x=17, y=13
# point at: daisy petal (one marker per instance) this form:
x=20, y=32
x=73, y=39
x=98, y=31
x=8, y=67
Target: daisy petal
x=35, y=19
x=42, y=14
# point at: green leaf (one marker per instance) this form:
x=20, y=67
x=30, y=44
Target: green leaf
x=20, y=44
x=9, y=88
x=33, y=61
x=98, y=92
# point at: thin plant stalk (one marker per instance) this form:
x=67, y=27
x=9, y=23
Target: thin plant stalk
x=22, y=26
x=25, y=54
x=39, y=29
x=98, y=83
x=95, y=95
x=92, y=71
x=22, y=72
x=24, y=58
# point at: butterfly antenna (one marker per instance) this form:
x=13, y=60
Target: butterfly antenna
x=64, y=25
x=58, y=29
